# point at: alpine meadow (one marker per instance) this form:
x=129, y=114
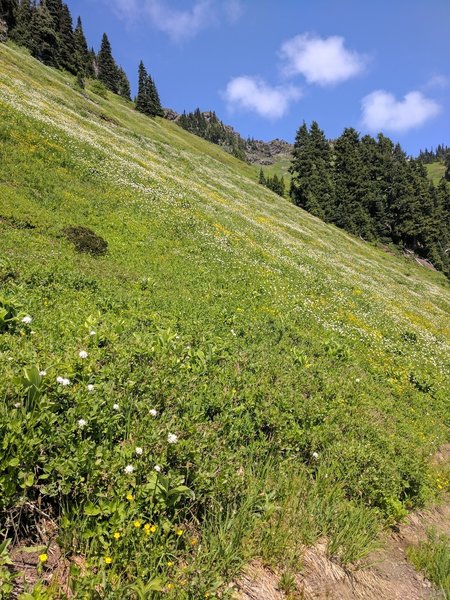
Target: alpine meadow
x=196, y=374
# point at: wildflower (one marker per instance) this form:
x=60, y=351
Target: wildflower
x=172, y=438
x=92, y=332
x=17, y=405
x=138, y=450
x=42, y=373
x=90, y=387
x=194, y=541
x=116, y=407
x=153, y=412
x=63, y=381
x=357, y=380
x=82, y=354
x=129, y=469
x=43, y=558
x=108, y=560
x=157, y=468
x=153, y=528
x=27, y=320
x=170, y=586
x=137, y=524
x=170, y=563
x=81, y=423
x=315, y=455
x=179, y=532
x=116, y=535
x=130, y=497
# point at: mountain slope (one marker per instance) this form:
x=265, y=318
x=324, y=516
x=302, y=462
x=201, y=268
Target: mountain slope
x=303, y=373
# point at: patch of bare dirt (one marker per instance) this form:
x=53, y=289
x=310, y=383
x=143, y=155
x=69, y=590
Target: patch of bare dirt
x=387, y=576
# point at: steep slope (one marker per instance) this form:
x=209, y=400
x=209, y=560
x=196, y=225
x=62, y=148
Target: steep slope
x=292, y=377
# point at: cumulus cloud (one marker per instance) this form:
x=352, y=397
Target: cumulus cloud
x=324, y=61
x=381, y=111
x=437, y=81
x=179, y=24
x=255, y=95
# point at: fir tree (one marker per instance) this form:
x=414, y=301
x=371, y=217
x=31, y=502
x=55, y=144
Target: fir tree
x=44, y=40
x=141, y=98
x=262, y=178
x=447, y=166
x=155, y=103
x=67, y=41
x=107, y=68
x=123, y=85
x=83, y=56
x=21, y=33
x=8, y=9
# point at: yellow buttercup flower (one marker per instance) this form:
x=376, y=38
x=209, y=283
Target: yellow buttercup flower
x=170, y=563
x=153, y=528
x=43, y=558
x=108, y=560
x=116, y=535
x=179, y=532
x=130, y=497
x=170, y=586
x=137, y=524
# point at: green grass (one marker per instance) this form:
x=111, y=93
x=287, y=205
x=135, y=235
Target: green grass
x=435, y=171
x=432, y=557
x=304, y=372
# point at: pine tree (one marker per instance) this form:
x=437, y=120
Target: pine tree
x=107, y=68
x=147, y=100
x=83, y=56
x=141, y=98
x=44, y=40
x=21, y=33
x=262, y=179
x=447, y=166
x=155, y=103
x=123, y=85
x=67, y=41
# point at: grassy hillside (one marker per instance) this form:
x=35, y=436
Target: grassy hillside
x=435, y=171
x=288, y=381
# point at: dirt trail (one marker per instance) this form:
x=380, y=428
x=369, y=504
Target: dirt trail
x=389, y=576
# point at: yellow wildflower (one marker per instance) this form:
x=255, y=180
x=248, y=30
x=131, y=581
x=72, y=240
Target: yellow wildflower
x=137, y=524
x=179, y=532
x=170, y=586
x=153, y=528
x=116, y=535
x=130, y=497
x=170, y=563
x=108, y=560
x=43, y=558
x=194, y=541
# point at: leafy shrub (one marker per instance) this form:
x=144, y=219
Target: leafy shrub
x=85, y=240
x=9, y=310
x=98, y=88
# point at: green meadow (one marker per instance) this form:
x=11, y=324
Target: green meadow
x=232, y=379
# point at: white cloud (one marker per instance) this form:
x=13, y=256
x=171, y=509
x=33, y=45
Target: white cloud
x=179, y=24
x=324, y=61
x=381, y=111
x=437, y=81
x=253, y=94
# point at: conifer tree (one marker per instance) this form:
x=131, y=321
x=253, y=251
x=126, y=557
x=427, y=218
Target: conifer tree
x=262, y=179
x=447, y=166
x=44, y=40
x=21, y=33
x=67, y=41
x=8, y=9
x=83, y=56
x=141, y=98
x=155, y=103
x=123, y=85
x=107, y=68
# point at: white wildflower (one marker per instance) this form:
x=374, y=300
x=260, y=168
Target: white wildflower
x=27, y=320
x=90, y=387
x=92, y=332
x=357, y=380
x=42, y=373
x=17, y=405
x=129, y=469
x=81, y=423
x=153, y=412
x=82, y=354
x=63, y=381
x=315, y=455
x=138, y=450
x=116, y=406
x=172, y=438
x=157, y=468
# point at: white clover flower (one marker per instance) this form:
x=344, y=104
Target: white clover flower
x=42, y=373
x=92, y=332
x=129, y=469
x=90, y=387
x=153, y=412
x=63, y=381
x=81, y=423
x=315, y=455
x=27, y=319
x=157, y=468
x=116, y=406
x=138, y=450
x=82, y=354
x=172, y=438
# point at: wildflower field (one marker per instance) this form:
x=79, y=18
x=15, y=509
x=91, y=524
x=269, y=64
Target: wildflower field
x=226, y=378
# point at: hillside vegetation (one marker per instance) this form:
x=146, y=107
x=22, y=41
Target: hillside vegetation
x=228, y=378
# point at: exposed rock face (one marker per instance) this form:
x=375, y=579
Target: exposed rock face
x=256, y=151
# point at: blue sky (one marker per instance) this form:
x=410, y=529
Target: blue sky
x=265, y=66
